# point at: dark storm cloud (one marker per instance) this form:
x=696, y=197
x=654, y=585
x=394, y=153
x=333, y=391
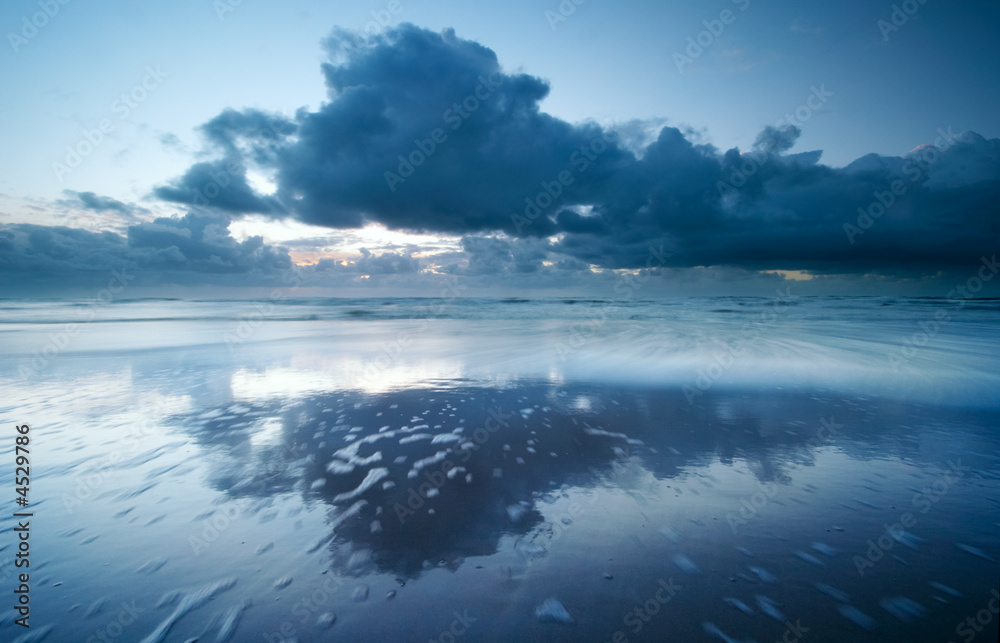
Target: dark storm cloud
x=220, y=184
x=260, y=132
x=934, y=209
x=97, y=203
x=158, y=252
x=203, y=243
x=387, y=263
x=500, y=256
x=425, y=132
x=250, y=136
x=779, y=139
x=369, y=264
x=45, y=250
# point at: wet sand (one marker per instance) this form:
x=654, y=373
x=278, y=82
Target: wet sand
x=496, y=511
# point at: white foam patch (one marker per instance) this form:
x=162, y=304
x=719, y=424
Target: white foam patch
x=434, y=459
x=552, y=611
x=374, y=477
x=415, y=438
x=339, y=466
x=191, y=601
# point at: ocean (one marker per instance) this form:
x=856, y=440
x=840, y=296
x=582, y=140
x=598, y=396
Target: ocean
x=523, y=469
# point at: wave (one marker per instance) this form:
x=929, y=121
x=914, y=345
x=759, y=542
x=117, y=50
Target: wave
x=706, y=309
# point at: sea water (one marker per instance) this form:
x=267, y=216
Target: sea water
x=505, y=469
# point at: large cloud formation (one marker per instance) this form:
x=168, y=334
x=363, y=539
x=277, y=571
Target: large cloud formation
x=425, y=132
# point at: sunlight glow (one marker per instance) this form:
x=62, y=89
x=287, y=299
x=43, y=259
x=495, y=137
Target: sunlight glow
x=261, y=184
x=312, y=243
x=793, y=275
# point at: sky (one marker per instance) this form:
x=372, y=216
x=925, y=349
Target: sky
x=536, y=147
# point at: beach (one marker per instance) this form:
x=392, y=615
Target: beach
x=495, y=470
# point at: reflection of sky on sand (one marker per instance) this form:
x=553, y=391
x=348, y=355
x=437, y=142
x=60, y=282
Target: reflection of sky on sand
x=296, y=381
x=168, y=472
x=852, y=345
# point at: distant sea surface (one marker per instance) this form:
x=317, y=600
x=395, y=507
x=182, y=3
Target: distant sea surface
x=920, y=348
x=464, y=469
